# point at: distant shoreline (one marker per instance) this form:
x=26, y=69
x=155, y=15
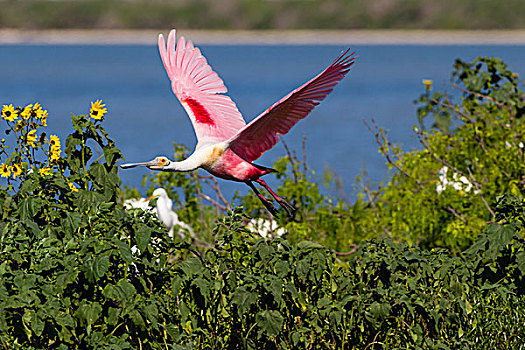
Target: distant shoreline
x=268, y=37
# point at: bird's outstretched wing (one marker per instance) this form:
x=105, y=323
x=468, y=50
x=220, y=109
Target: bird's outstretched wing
x=214, y=116
x=263, y=132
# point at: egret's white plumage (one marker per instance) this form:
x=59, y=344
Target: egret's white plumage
x=163, y=210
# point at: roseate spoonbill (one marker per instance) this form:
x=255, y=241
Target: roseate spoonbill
x=163, y=210
x=227, y=146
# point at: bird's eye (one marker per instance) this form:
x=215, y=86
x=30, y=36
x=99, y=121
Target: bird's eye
x=162, y=161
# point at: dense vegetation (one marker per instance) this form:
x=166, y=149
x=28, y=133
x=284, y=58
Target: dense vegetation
x=430, y=259
x=259, y=14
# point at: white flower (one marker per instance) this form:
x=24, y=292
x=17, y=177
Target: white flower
x=459, y=183
x=443, y=182
x=265, y=228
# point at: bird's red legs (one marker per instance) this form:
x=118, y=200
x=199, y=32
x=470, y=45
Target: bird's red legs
x=267, y=203
x=287, y=206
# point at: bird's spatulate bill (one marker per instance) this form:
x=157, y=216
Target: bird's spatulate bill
x=134, y=165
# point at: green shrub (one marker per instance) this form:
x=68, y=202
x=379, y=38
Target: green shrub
x=478, y=139
x=68, y=278
x=254, y=294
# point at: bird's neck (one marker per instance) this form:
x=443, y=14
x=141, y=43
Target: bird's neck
x=184, y=165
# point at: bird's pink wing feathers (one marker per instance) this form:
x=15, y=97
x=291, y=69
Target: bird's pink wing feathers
x=214, y=116
x=263, y=132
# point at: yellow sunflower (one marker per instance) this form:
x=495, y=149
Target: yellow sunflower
x=54, y=141
x=97, y=110
x=72, y=187
x=39, y=113
x=43, y=117
x=54, y=150
x=55, y=154
x=428, y=84
x=17, y=170
x=9, y=113
x=26, y=112
x=5, y=170
x=44, y=171
x=31, y=138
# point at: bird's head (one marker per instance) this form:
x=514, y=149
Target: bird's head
x=156, y=164
x=159, y=192
x=161, y=195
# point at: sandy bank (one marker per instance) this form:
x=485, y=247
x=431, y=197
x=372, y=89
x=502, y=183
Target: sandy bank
x=270, y=37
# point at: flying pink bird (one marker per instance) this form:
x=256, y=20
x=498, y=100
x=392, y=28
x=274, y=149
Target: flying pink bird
x=227, y=146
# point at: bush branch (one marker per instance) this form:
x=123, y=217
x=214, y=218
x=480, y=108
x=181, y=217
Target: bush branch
x=387, y=155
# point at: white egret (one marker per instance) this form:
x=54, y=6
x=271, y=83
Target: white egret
x=163, y=210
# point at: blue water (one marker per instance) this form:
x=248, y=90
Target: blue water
x=145, y=118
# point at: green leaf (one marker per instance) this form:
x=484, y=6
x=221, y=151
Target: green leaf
x=124, y=251
x=275, y=287
x=307, y=245
x=184, y=311
x=137, y=319
x=201, y=285
x=33, y=227
x=88, y=312
x=323, y=302
x=191, y=267
x=6, y=205
x=113, y=315
x=25, y=281
x=152, y=313
x=88, y=200
x=520, y=260
x=271, y=322
x=499, y=237
x=378, y=312
x=100, y=266
x=29, y=207
x=282, y=268
x=26, y=321
x=290, y=288
x=122, y=292
x=64, y=319
x=143, y=237
x=112, y=154
x=71, y=222
x=265, y=251
x=66, y=278
x=244, y=299
x=47, y=264
x=302, y=269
